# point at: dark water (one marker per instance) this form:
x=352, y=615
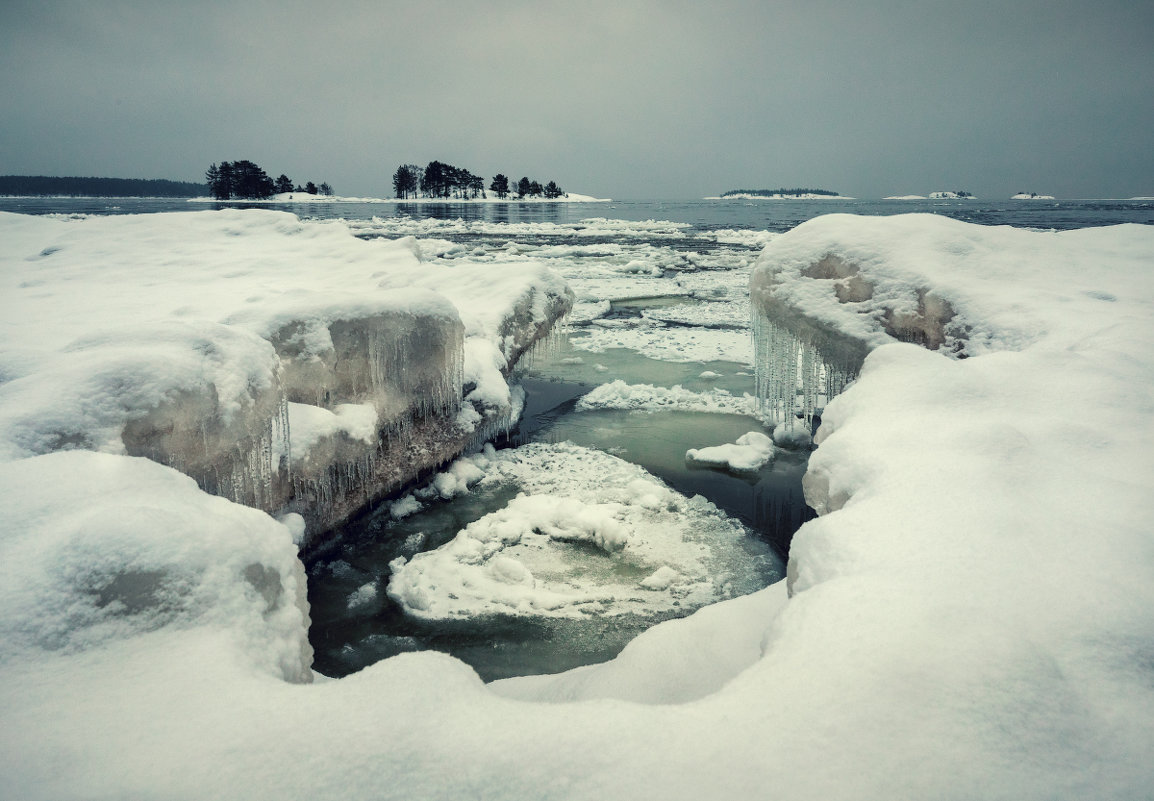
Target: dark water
x=704, y=215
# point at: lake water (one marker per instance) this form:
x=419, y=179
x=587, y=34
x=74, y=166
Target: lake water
x=656, y=361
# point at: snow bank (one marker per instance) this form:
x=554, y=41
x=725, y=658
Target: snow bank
x=200, y=339
x=839, y=286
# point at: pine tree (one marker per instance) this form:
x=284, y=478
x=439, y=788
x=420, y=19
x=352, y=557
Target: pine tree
x=500, y=186
x=523, y=187
x=283, y=184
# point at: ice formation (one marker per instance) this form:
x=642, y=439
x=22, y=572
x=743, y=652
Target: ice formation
x=654, y=551
x=202, y=340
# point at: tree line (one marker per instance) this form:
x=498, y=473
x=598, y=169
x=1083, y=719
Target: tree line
x=440, y=180
x=41, y=185
x=247, y=181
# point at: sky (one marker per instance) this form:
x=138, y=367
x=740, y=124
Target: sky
x=624, y=99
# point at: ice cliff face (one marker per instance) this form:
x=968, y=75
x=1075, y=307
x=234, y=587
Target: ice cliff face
x=284, y=365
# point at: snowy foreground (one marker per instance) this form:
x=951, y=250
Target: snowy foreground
x=971, y=616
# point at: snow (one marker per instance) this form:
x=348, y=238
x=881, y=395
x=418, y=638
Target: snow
x=970, y=616
x=1031, y=196
x=748, y=454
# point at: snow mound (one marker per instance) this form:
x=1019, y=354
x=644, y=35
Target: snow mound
x=140, y=550
x=748, y=454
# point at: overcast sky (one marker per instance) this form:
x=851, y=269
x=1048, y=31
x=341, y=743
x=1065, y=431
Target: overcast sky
x=623, y=99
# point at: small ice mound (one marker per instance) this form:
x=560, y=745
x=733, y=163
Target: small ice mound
x=709, y=375
x=601, y=368
x=572, y=360
x=748, y=454
x=296, y=526
x=661, y=579
x=364, y=595
x=589, y=534
x=403, y=507
x=796, y=436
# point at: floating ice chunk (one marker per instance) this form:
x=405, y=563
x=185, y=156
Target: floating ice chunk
x=647, y=397
x=661, y=578
x=709, y=375
x=403, y=507
x=749, y=453
x=364, y=595
x=792, y=436
x=586, y=534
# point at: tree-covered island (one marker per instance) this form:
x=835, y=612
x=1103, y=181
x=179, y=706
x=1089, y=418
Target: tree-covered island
x=440, y=180
x=780, y=193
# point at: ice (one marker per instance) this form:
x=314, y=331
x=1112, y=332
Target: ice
x=202, y=340
x=653, y=551
x=749, y=453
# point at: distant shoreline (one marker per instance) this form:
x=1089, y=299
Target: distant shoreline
x=304, y=197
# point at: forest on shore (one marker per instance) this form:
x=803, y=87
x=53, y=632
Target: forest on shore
x=72, y=186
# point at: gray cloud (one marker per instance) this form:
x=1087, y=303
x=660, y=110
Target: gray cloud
x=625, y=99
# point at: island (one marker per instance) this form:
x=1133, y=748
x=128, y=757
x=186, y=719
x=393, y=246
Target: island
x=1031, y=196
x=780, y=194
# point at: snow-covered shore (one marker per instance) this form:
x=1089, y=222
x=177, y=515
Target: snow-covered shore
x=202, y=339
x=971, y=615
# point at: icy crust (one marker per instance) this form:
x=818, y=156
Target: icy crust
x=589, y=534
x=836, y=287
x=198, y=339
x=141, y=550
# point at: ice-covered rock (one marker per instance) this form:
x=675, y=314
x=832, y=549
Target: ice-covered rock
x=200, y=340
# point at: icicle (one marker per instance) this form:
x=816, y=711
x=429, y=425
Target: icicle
x=795, y=376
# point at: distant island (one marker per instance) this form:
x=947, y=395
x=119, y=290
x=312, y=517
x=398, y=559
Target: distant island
x=1031, y=196
x=779, y=194
x=959, y=194
x=50, y=186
